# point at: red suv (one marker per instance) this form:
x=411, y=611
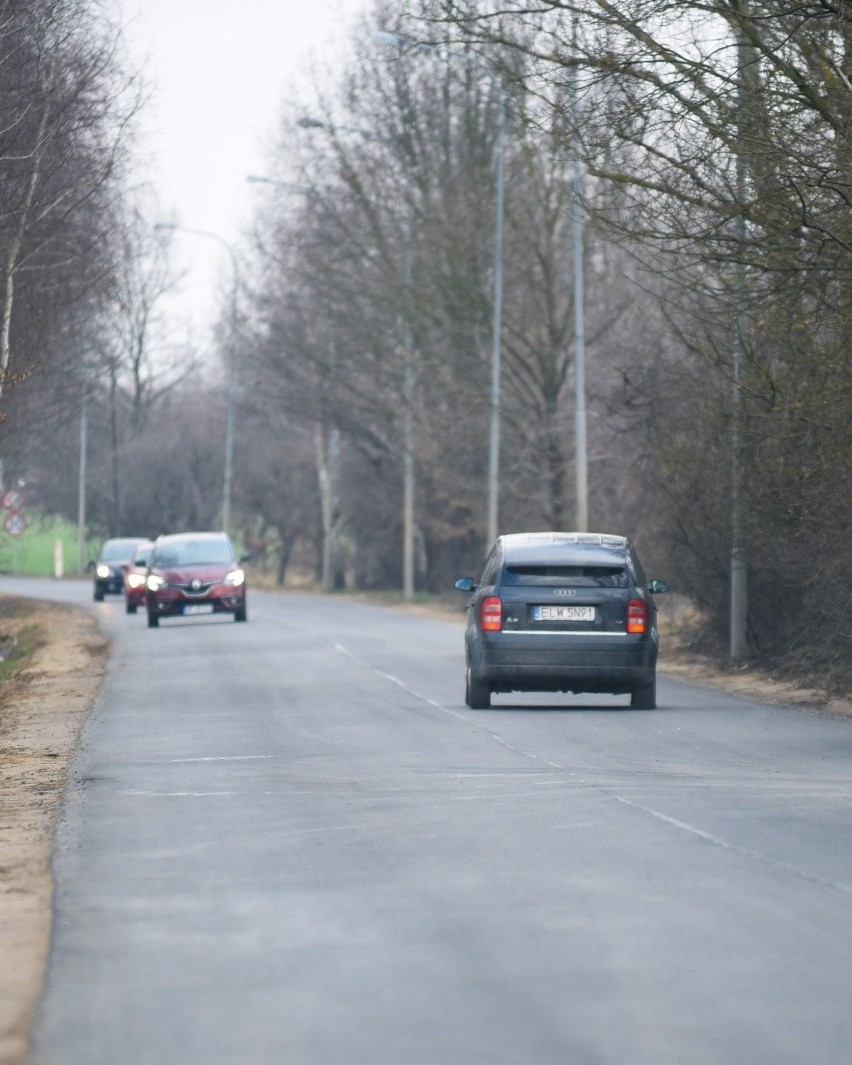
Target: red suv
x=134, y=578
x=195, y=573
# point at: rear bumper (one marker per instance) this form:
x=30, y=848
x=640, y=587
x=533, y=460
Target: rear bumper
x=510, y=661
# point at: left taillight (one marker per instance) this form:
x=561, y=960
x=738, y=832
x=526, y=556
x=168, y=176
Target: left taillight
x=491, y=614
x=637, y=616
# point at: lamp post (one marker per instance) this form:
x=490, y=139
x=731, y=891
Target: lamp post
x=739, y=570
x=580, y=432
x=408, y=437
x=290, y=186
x=327, y=443
x=308, y=122
x=393, y=40
x=228, y=472
x=81, y=480
x=408, y=474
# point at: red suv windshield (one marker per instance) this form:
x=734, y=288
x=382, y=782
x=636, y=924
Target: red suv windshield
x=194, y=553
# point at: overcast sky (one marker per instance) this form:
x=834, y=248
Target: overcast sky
x=218, y=70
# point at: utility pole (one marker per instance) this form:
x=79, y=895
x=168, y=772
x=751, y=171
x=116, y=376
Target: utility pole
x=394, y=40
x=230, y=367
x=408, y=430
x=496, y=327
x=81, y=483
x=580, y=431
x=739, y=573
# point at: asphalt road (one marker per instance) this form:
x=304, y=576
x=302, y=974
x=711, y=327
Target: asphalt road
x=290, y=843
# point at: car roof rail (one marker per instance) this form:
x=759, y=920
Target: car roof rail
x=600, y=539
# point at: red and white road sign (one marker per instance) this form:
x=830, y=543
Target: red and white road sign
x=15, y=523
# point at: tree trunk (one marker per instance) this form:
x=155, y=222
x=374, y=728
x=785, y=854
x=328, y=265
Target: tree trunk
x=327, y=449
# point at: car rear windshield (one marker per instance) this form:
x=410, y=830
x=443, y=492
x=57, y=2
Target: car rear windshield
x=575, y=576
x=194, y=553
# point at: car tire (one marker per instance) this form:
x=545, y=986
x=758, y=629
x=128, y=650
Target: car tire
x=644, y=696
x=241, y=613
x=153, y=620
x=130, y=608
x=476, y=694
x=98, y=596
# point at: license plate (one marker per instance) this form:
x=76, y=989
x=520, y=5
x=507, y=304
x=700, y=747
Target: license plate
x=201, y=608
x=563, y=613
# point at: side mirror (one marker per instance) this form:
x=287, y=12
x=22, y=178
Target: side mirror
x=245, y=556
x=656, y=587
x=466, y=584
x=91, y=564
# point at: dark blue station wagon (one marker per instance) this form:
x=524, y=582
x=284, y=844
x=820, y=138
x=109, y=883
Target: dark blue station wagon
x=564, y=612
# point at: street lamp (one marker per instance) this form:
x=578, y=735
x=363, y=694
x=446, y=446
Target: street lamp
x=581, y=456
x=393, y=40
x=739, y=569
x=290, y=186
x=309, y=122
x=81, y=479
x=327, y=446
x=227, y=477
x=408, y=484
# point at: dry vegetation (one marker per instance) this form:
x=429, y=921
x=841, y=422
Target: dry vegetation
x=42, y=708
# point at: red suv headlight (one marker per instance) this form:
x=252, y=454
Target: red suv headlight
x=491, y=614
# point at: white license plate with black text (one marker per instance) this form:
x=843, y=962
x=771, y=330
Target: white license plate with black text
x=200, y=608
x=563, y=613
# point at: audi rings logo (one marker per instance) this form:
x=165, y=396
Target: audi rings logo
x=565, y=591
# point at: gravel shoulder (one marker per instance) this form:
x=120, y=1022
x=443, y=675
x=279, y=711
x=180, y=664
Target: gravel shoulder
x=42, y=710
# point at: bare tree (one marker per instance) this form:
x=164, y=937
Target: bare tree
x=64, y=104
x=724, y=130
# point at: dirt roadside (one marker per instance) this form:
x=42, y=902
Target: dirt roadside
x=41, y=713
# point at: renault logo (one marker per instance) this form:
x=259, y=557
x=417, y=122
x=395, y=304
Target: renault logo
x=565, y=591
x=196, y=584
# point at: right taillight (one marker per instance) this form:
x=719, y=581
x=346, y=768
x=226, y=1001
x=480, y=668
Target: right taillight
x=491, y=614
x=637, y=616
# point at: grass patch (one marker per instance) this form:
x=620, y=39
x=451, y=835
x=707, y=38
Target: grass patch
x=33, y=552
x=20, y=636
x=19, y=648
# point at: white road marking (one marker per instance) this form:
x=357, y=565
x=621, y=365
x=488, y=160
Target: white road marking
x=398, y=682
x=438, y=706
x=717, y=841
x=748, y=852
x=225, y=758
